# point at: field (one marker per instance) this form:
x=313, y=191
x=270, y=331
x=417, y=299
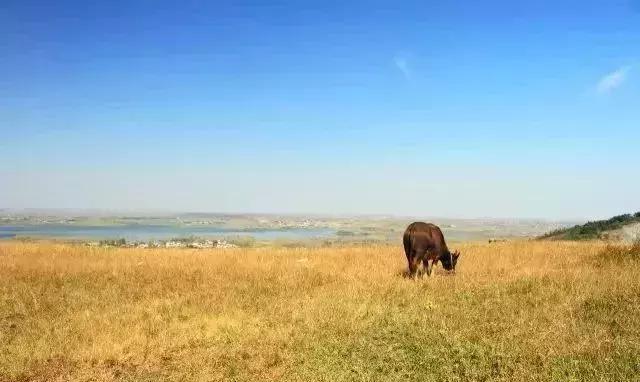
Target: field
x=515, y=311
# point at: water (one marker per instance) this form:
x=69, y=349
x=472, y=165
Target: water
x=141, y=232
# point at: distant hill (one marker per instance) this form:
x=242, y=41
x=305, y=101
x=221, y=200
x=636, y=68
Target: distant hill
x=594, y=229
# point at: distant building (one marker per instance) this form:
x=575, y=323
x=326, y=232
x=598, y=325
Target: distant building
x=202, y=244
x=224, y=244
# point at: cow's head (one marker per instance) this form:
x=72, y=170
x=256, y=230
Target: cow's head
x=450, y=260
x=454, y=259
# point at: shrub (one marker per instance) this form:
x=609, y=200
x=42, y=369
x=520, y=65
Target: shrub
x=592, y=229
x=242, y=241
x=114, y=242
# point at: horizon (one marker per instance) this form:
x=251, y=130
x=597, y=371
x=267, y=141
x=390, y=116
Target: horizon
x=96, y=212
x=458, y=111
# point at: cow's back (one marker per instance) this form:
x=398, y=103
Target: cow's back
x=420, y=237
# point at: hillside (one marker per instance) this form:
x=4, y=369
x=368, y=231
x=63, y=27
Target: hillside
x=609, y=228
x=515, y=311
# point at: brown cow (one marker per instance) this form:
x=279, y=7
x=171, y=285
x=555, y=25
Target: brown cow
x=424, y=242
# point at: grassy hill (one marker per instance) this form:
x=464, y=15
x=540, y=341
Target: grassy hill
x=593, y=229
x=515, y=311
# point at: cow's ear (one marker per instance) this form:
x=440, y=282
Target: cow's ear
x=456, y=254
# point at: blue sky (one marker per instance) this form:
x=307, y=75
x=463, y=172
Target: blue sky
x=504, y=109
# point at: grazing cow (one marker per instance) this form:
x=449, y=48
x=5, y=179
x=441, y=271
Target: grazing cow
x=424, y=242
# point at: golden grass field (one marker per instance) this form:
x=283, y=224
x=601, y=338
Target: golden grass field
x=515, y=311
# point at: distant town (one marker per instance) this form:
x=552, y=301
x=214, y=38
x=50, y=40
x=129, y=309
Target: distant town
x=175, y=243
x=226, y=230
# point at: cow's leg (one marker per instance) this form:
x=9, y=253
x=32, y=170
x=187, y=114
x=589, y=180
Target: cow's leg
x=425, y=265
x=433, y=263
x=420, y=258
x=413, y=263
x=429, y=268
x=408, y=254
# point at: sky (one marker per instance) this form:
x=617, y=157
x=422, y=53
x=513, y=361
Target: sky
x=426, y=108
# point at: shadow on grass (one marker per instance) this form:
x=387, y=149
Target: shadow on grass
x=423, y=275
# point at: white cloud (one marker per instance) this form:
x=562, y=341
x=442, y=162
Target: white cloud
x=402, y=63
x=612, y=80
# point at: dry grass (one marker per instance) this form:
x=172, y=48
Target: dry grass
x=517, y=311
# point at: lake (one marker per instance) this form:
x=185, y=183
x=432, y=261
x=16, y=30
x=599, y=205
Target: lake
x=141, y=232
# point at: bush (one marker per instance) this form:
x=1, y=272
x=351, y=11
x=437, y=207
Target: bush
x=113, y=243
x=242, y=241
x=592, y=229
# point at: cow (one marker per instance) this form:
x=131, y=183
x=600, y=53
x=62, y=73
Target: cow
x=424, y=242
